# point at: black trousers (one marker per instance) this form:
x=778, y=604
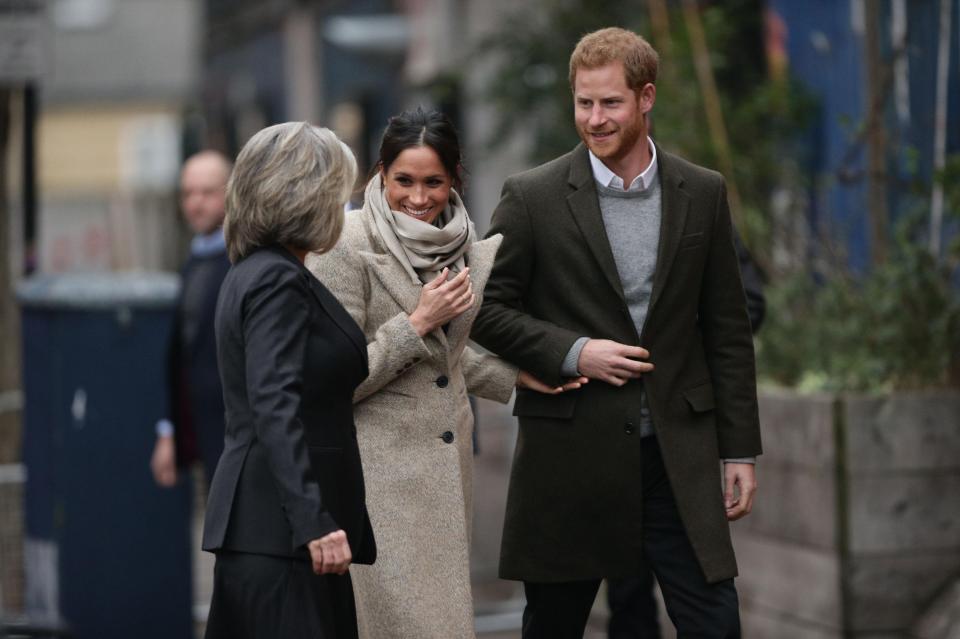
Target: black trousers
x=264, y=597
x=633, y=607
x=698, y=609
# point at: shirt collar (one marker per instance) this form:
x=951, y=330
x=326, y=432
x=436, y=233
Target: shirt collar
x=209, y=244
x=642, y=182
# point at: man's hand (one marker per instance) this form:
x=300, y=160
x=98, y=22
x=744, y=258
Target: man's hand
x=742, y=477
x=612, y=362
x=330, y=554
x=526, y=380
x=163, y=462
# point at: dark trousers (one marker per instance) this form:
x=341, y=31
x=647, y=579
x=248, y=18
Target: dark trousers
x=699, y=610
x=633, y=607
x=264, y=597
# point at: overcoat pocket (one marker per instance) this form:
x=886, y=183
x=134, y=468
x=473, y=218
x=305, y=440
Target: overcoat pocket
x=390, y=399
x=533, y=404
x=700, y=397
x=692, y=240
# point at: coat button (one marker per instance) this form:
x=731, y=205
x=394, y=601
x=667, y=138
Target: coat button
x=447, y=437
x=442, y=381
x=628, y=428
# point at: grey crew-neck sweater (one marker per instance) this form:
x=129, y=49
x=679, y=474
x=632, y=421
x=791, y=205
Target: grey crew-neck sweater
x=632, y=222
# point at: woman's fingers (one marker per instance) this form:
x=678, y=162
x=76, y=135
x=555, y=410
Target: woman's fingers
x=331, y=554
x=438, y=281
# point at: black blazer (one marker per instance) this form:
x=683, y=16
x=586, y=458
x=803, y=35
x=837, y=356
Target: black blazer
x=290, y=358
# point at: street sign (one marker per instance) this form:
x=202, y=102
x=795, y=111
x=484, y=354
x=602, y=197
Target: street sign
x=25, y=37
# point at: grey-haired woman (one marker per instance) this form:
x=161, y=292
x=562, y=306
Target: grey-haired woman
x=286, y=514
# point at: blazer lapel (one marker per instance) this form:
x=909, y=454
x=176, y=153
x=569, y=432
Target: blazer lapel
x=329, y=303
x=480, y=258
x=585, y=208
x=675, y=202
x=339, y=314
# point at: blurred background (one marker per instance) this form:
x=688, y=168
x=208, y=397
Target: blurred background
x=835, y=122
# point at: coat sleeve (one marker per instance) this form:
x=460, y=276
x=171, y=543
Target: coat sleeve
x=502, y=326
x=752, y=284
x=275, y=329
x=728, y=343
x=488, y=376
x=395, y=346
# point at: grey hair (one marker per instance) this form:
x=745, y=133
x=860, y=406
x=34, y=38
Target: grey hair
x=288, y=187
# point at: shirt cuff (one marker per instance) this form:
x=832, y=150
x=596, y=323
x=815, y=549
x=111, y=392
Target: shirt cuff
x=740, y=460
x=569, y=366
x=164, y=428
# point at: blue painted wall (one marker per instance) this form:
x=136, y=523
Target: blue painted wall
x=826, y=53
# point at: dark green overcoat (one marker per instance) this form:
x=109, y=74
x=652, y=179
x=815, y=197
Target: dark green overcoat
x=574, y=502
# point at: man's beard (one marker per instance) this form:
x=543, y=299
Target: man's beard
x=627, y=140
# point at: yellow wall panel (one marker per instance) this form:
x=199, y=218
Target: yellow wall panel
x=79, y=148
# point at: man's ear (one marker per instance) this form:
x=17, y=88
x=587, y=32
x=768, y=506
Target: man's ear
x=646, y=96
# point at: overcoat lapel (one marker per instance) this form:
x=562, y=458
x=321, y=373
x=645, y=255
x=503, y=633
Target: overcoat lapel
x=480, y=258
x=585, y=208
x=394, y=278
x=675, y=202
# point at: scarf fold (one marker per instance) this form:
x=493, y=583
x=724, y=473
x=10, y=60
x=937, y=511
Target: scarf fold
x=422, y=249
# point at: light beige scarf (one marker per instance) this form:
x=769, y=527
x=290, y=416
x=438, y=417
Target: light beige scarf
x=422, y=249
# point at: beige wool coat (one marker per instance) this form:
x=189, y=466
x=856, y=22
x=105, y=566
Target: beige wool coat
x=415, y=427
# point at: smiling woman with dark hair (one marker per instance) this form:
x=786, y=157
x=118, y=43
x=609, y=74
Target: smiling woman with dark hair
x=408, y=269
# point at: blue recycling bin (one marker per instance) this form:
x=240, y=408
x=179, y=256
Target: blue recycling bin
x=108, y=552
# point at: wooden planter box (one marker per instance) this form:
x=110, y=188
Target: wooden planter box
x=856, y=527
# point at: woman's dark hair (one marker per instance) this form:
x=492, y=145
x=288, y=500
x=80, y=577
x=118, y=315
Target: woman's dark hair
x=417, y=127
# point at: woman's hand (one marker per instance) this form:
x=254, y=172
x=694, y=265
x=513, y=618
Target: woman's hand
x=441, y=301
x=526, y=380
x=330, y=554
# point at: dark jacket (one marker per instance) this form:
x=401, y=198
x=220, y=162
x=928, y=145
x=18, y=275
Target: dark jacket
x=196, y=400
x=575, y=501
x=290, y=358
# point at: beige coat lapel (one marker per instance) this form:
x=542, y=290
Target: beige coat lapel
x=480, y=257
x=406, y=293
x=394, y=278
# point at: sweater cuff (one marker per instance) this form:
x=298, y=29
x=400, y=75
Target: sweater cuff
x=740, y=460
x=569, y=366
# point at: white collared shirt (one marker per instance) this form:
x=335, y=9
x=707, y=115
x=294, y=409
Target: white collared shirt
x=606, y=177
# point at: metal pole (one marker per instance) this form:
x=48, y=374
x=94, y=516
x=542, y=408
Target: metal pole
x=29, y=179
x=876, y=138
x=711, y=103
x=940, y=127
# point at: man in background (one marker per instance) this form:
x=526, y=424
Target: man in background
x=193, y=427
